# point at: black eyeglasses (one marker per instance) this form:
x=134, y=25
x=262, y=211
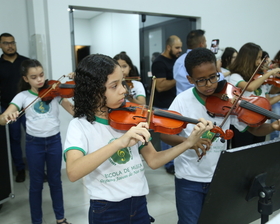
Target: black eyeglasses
x=203, y=82
x=9, y=43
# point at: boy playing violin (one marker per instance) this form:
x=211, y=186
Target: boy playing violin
x=193, y=176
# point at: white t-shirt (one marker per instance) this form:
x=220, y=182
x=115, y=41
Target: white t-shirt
x=41, y=118
x=119, y=177
x=138, y=89
x=235, y=79
x=190, y=104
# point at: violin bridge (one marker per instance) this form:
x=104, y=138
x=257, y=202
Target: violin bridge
x=224, y=97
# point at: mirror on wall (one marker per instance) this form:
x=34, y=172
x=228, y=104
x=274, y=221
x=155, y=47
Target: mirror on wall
x=138, y=34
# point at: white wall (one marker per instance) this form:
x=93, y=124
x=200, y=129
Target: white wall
x=82, y=32
x=109, y=34
x=113, y=32
x=13, y=17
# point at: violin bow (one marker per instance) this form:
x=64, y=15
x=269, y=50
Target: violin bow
x=151, y=102
x=236, y=101
x=53, y=86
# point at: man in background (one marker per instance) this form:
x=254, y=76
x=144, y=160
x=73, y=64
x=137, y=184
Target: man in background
x=10, y=76
x=165, y=92
x=195, y=39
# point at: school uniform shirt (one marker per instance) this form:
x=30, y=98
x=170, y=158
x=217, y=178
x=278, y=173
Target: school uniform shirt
x=235, y=79
x=119, y=177
x=138, y=89
x=190, y=104
x=42, y=118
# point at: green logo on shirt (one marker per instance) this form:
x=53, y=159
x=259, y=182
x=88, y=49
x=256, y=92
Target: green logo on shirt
x=122, y=156
x=208, y=135
x=258, y=92
x=41, y=107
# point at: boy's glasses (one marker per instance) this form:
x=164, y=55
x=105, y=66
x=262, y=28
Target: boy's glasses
x=13, y=43
x=203, y=82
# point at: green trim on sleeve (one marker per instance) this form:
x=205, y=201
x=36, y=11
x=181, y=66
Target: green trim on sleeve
x=245, y=129
x=72, y=148
x=239, y=82
x=140, y=95
x=16, y=106
x=141, y=146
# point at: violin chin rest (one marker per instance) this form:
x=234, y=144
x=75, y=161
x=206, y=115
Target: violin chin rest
x=221, y=85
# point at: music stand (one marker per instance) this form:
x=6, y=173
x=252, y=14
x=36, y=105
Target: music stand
x=228, y=199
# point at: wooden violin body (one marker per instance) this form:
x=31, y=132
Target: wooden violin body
x=65, y=90
x=162, y=121
x=272, y=80
x=253, y=110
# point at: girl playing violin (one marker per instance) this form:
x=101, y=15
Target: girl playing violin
x=43, y=142
x=110, y=159
x=136, y=92
x=246, y=62
x=192, y=178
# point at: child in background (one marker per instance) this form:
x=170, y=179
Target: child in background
x=227, y=58
x=136, y=90
x=193, y=178
x=244, y=66
x=110, y=159
x=43, y=142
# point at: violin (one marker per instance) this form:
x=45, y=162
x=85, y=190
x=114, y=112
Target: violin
x=127, y=82
x=162, y=121
x=253, y=110
x=272, y=80
x=50, y=90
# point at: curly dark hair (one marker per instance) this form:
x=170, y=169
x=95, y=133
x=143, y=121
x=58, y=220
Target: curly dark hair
x=91, y=76
x=197, y=57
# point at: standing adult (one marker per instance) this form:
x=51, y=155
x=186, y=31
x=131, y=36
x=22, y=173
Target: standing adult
x=195, y=39
x=10, y=76
x=165, y=92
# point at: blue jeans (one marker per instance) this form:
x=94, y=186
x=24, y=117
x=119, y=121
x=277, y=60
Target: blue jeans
x=190, y=196
x=128, y=211
x=41, y=151
x=165, y=146
x=15, y=141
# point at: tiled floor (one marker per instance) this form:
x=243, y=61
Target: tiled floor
x=161, y=201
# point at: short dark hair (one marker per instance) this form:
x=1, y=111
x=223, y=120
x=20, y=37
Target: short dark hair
x=5, y=35
x=197, y=57
x=194, y=38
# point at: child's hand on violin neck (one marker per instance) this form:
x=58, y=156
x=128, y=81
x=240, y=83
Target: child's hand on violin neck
x=275, y=71
x=135, y=134
x=199, y=129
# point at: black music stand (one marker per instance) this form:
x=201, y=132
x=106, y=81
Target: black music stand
x=241, y=178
